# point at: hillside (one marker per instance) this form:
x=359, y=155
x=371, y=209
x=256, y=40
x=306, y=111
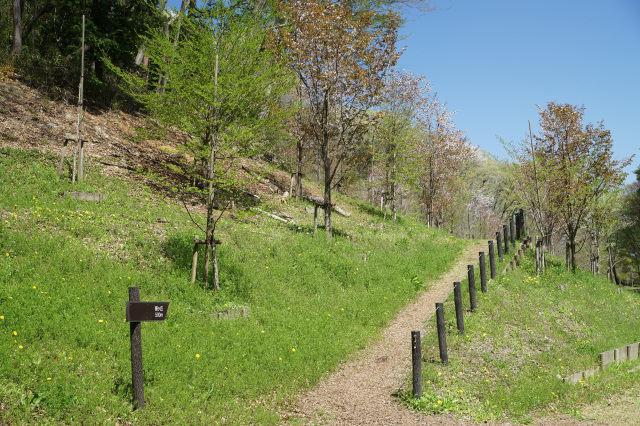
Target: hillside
x=292, y=306
x=238, y=355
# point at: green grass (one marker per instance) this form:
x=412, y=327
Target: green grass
x=526, y=332
x=66, y=265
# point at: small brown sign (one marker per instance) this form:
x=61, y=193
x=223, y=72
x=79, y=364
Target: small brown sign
x=146, y=311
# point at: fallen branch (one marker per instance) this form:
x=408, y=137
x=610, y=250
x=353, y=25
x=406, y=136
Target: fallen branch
x=273, y=216
x=319, y=201
x=123, y=166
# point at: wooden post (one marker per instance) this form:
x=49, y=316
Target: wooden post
x=291, y=186
x=492, y=260
x=538, y=244
x=483, y=273
x=512, y=231
x=457, y=297
x=315, y=218
x=194, y=263
x=64, y=151
x=472, y=287
x=520, y=224
x=442, y=333
x=499, y=244
x=135, y=334
x=505, y=233
x=79, y=143
x=416, y=360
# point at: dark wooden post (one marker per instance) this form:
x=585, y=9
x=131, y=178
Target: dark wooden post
x=457, y=297
x=512, y=231
x=416, y=359
x=135, y=333
x=483, y=273
x=194, y=262
x=315, y=218
x=492, y=260
x=538, y=244
x=499, y=244
x=64, y=150
x=522, y=230
x=472, y=287
x=505, y=233
x=442, y=333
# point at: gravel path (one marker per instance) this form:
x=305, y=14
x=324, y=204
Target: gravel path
x=361, y=391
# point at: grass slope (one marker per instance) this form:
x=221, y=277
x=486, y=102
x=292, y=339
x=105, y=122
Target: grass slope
x=65, y=266
x=527, y=331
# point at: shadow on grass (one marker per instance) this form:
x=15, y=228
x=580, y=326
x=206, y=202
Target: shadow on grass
x=304, y=229
x=233, y=279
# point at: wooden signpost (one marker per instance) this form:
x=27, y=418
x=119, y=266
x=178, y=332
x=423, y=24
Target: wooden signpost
x=136, y=313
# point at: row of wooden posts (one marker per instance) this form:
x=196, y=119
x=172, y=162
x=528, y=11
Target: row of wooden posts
x=515, y=230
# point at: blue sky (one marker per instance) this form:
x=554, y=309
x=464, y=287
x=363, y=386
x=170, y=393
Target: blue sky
x=494, y=60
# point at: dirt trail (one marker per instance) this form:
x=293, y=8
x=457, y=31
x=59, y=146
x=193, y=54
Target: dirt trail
x=360, y=392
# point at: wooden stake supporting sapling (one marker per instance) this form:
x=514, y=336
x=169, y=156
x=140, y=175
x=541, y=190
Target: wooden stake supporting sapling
x=79, y=142
x=194, y=263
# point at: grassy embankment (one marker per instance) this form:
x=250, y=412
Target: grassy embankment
x=526, y=332
x=66, y=265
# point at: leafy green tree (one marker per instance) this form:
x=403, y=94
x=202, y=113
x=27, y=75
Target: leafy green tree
x=341, y=59
x=628, y=235
x=573, y=164
x=443, y=151
x=47, y=52
x=396, y=132
x=222, y=87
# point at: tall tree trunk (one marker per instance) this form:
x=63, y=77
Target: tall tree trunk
x=572, y=244
x=392, y=187
x=327, y=194
x=597, y=256
x=299, y=146
x=17, y=27
x=211, y=222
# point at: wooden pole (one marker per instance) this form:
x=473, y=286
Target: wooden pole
x=315, y=218
x=457, y=297
x=64, y=151
x=499, y=244
x=416, y=360
x=79, y=152
x=472, y=288
x=512, y=231
x=194, y=263
x=442, y=333
x=483, y=272
x=505, y=233
x=135, y=334
x=538, y=244
x=291, y=186
x=492, y=260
